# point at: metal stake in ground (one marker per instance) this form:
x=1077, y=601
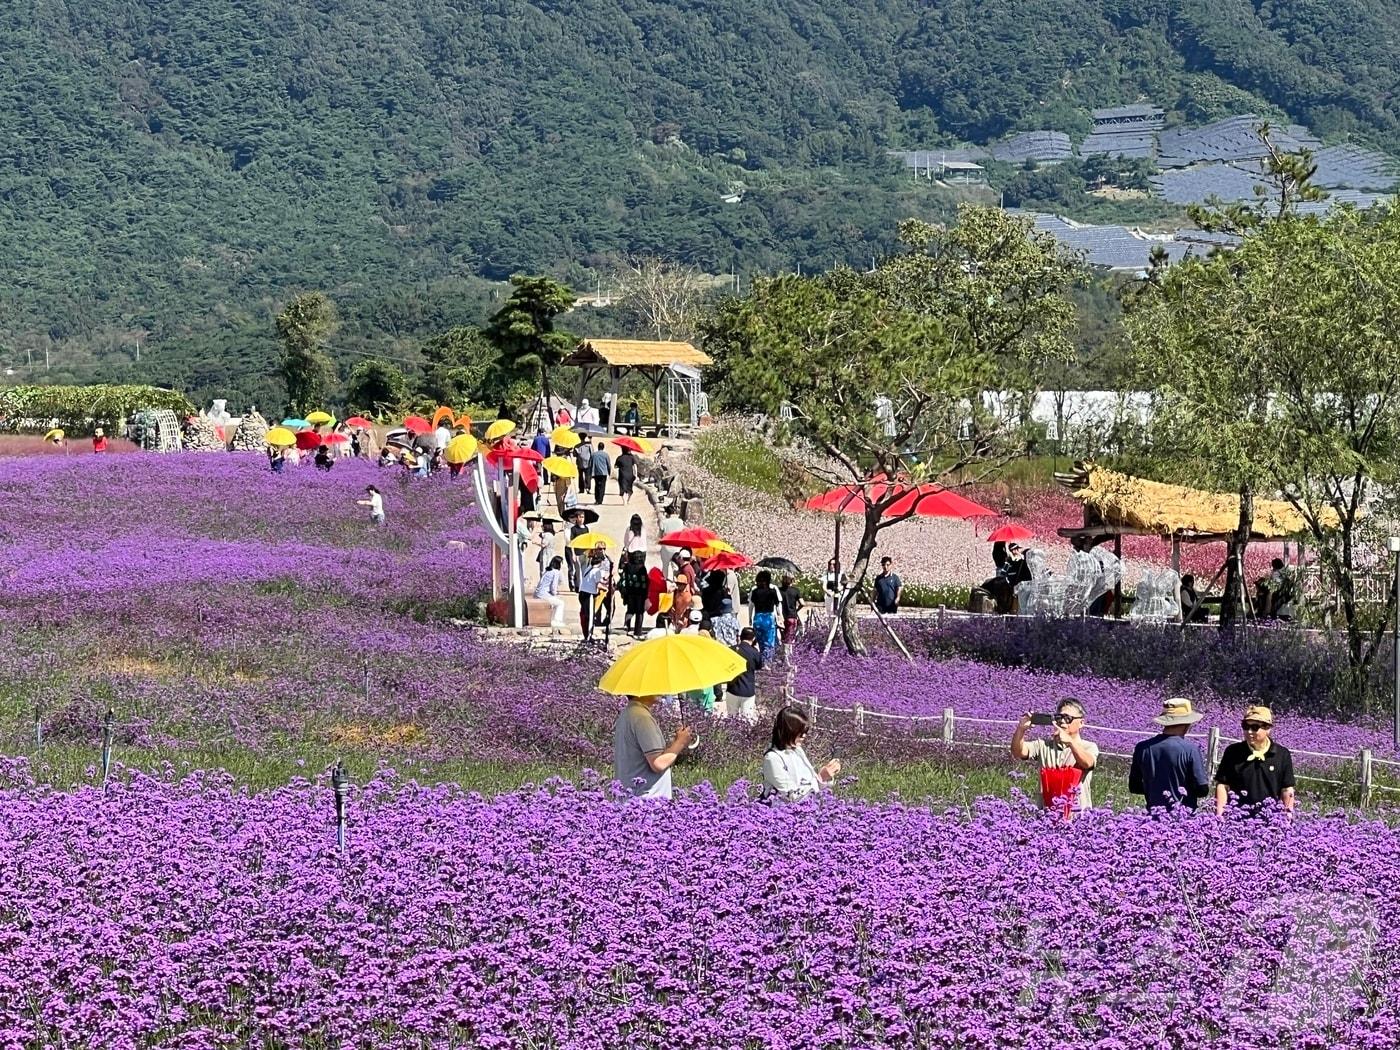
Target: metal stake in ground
x=109, y=724
x=365, y=661
x=340, y=785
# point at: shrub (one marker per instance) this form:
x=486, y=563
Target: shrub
x=76, y=407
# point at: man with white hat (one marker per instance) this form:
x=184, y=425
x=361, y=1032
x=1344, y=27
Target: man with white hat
x=1169, y=769
x=1255, y=769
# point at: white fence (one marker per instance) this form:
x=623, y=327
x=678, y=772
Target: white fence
x=947, y=723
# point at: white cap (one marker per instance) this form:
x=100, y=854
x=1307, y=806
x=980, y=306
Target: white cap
x=584, y=403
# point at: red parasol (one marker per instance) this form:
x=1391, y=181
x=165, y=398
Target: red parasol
x=417, y=425
x=307, y=440
x=359, y=423
x=335, y=439
x=934, y=501
x=1009, y=533
x=690, y=538
x=631, y=443
x=504, y=454
x=726, y=560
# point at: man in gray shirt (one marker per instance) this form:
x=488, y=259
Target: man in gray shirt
x=642, y=759
x=600, y=466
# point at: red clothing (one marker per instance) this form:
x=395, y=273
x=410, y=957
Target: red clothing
x=656, y=587
x=99, y=444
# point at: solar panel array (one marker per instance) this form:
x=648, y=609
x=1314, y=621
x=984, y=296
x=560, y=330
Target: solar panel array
x=1135, y=111
x=1199, y=184
x=1231, y=139
x=1119, y=143
x=1355, y=168
x=1115, y=247
x=1043, y=147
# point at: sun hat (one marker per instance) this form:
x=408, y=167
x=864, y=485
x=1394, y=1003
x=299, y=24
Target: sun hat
x=1177, y=712
x=1258, y=713
x=726, y=605
x=696, y=616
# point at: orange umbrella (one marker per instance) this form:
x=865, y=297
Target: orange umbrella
x=442, y=413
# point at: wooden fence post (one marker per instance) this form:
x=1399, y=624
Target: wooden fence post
x=860, y=719
x=947, y=725
x=942, y=612
x=1212, y=750
x=1367, y=776
x=811, y=711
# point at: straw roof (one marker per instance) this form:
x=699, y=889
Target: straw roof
x=1152, y=506
x=636, y=353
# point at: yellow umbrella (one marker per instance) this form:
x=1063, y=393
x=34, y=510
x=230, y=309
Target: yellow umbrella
x=560, y=467
x=281, y=437
x=716, y=547
x=319, y=418
x=459, y=449
x=564, y=438
x=664, y=602
x=676, y=663
x=589, y=540
x=499, y=429
x=55, y=435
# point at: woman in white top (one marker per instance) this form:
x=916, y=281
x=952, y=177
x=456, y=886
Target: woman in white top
x=548, y=590
x=788, y=774
x=546, y=539
x=635, y=538
x=375, y=502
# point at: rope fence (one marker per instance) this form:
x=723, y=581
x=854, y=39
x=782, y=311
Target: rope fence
x=1365, y=783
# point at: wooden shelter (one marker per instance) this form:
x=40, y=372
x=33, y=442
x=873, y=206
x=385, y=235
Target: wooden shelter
x=652, y=358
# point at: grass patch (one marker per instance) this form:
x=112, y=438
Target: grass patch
x=740, y=457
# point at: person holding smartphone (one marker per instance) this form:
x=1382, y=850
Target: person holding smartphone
x=1065, y=748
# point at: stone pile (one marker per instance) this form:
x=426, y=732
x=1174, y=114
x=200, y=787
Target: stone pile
x=201, y=435
x=251, y=435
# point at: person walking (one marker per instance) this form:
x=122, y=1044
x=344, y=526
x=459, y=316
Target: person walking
x=574, y=558
x=682, y=597
x=99, y=440
x=764, y=601
x=594, y=575
x=1168, y=769
x=626, y=474
x=889, y=588
x=741, y=695
x=642, y=759
x=788, y=774
x=375, y=502
x=1254, y=770
x=583, y=458
x=600, y=466
x=685, y=568
x=633, y=587
x=548, y=590
x=1065, y=749
x=635, y=538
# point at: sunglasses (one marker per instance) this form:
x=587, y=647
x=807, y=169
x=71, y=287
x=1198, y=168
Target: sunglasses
x=1254, y=727
x=1064, y=720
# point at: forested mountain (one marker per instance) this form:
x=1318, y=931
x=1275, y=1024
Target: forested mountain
x=172, y=168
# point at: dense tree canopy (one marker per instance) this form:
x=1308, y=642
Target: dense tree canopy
x=175, y=168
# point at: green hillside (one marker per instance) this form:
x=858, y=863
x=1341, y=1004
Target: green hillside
x=173, y=167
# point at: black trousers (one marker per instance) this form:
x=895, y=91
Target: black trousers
x=600, y=487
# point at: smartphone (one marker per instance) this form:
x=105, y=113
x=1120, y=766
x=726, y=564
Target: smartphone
x=1042, y=720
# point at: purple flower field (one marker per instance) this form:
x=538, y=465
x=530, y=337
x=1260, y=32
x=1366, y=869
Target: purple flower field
x=78, y=529
x=887, y=683
x=196, y=915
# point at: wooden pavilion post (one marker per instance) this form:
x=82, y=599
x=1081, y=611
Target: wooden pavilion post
x=616, y=375
x=1118, y=587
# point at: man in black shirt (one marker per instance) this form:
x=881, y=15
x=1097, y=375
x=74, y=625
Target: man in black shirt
x=888, y=588
x=1255, y=769
x=739, y=696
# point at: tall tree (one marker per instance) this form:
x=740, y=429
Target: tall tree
x=460, y=365
x=1279, y=365
x=662, y=299
x=376, y=386
x=523, y=329
x=961, y=311
x=1197, y=341
x=304, y=326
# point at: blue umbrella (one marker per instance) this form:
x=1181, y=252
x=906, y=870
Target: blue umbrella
x=295, y=424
